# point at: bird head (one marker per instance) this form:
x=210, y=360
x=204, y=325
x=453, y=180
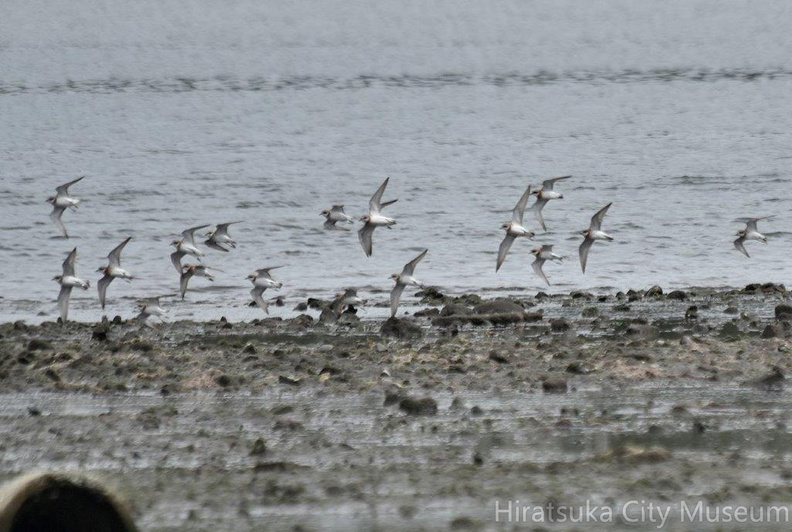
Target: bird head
x=560, y=196
x=536, y=192
x=102, y=269
x=536, y=251
x=51, y=199
x=585, y=233
x=176, y=243
x=395, y=276
x=325, y=213
x=505, y=225
x=251, y=277
x=57, y=278
x=365, y=218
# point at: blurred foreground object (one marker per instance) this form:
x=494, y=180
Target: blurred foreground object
x=61, y=502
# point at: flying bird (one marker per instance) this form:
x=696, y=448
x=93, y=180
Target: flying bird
x=543, y=254
x=374, y=219
x=334, y=215
x=343, y=300
x=68, y=281
x=190, y=270
x=262, y=280
x=403, y=279
x=545, y=194
x=220, y=236
x=151, y=307
x=514, y=229
x=592, y=234
x=186, y=246
x=62, y=201
x=112, y=270
x=749, y=233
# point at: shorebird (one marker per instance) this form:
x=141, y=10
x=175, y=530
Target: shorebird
x=334, y=215
x=151, y=307
x=343, y=300
x=188, y=271
x=374, y=219
x=543, y=254
x=403, y=279
x=112, y=270
x=62, y=201
x=68, y=281
x=545, y=194
x=186, y=246
x=514, y=228
x=749, y=233
x=262, y=279
x=592, y=234
x=220, y=236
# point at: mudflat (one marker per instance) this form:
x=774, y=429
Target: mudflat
x=439, y=420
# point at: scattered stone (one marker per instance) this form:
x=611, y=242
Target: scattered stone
x=554, y=385
x=223, y=380
x=291, y=381
x=497, y=357
x=425, y=406
x=38, y=345
x=99, y=332
x=772, y=382
x=590, y=312
x=783, y=312
x=677, y=295
x=249, y=349
x=400, y=328
x=730, y=330
x=773, y=331
x=499, y=306
x=428, y=313
x=259, y=447
x=691, y=313
x=731, y=310
x=559, y=325
x=655, y=291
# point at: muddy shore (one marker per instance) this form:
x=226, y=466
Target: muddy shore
x=422, y=422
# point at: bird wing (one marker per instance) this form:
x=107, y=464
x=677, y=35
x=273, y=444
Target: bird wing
x=375, y=203
x=102, y=285
x=548, y=183
x=115, y=256
x=184, y=279
x=596, y=220
x=63, y=302
x=547, y=248
x=364, y=235
x=175, y=258
x=519, y=209
x=265, y=272
x=739, y=244
x=222, y=229
x=537, y=267
x=55, y=216
x=63, y=190
x=188, y=234
x=505, y=245
x=68, y=264
x=409, y=268
x=389, y=202
x=214, y=245
x=395, y=295
x=256, y=294
x=337, y=208
x=585, y=247
x=750, y=223
x=537, y=209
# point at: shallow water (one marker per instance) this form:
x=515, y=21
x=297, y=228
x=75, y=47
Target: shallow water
x=678, y=112
x=146, y=442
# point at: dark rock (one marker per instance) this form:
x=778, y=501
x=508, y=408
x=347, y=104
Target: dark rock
x=497, y=357
x=428, y=313
x=590, y=312
x=33, y=411
x=20, y=325
x=476, y=411
x=691, y=313
x=301, y=307
x=783, y=312
x=327, y=316
x=38, y=345
x=425, y=406
x=581, y=295
x=52, y=375
x=622, y=308
x=773, y=331
x=259, y=447
x=499, y=306
x=223, y=380
x=730, y=330
x=431, y=296
x=455, y=309
x=731, y=310
x=99, y=332
x=554, y=385
x=559, y=325
x=249, y=349
x=655, y=291
x=678, y=295
x=579, y=368
x=397, y=328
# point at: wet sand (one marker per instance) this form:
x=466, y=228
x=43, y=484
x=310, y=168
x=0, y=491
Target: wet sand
x=417, y=423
